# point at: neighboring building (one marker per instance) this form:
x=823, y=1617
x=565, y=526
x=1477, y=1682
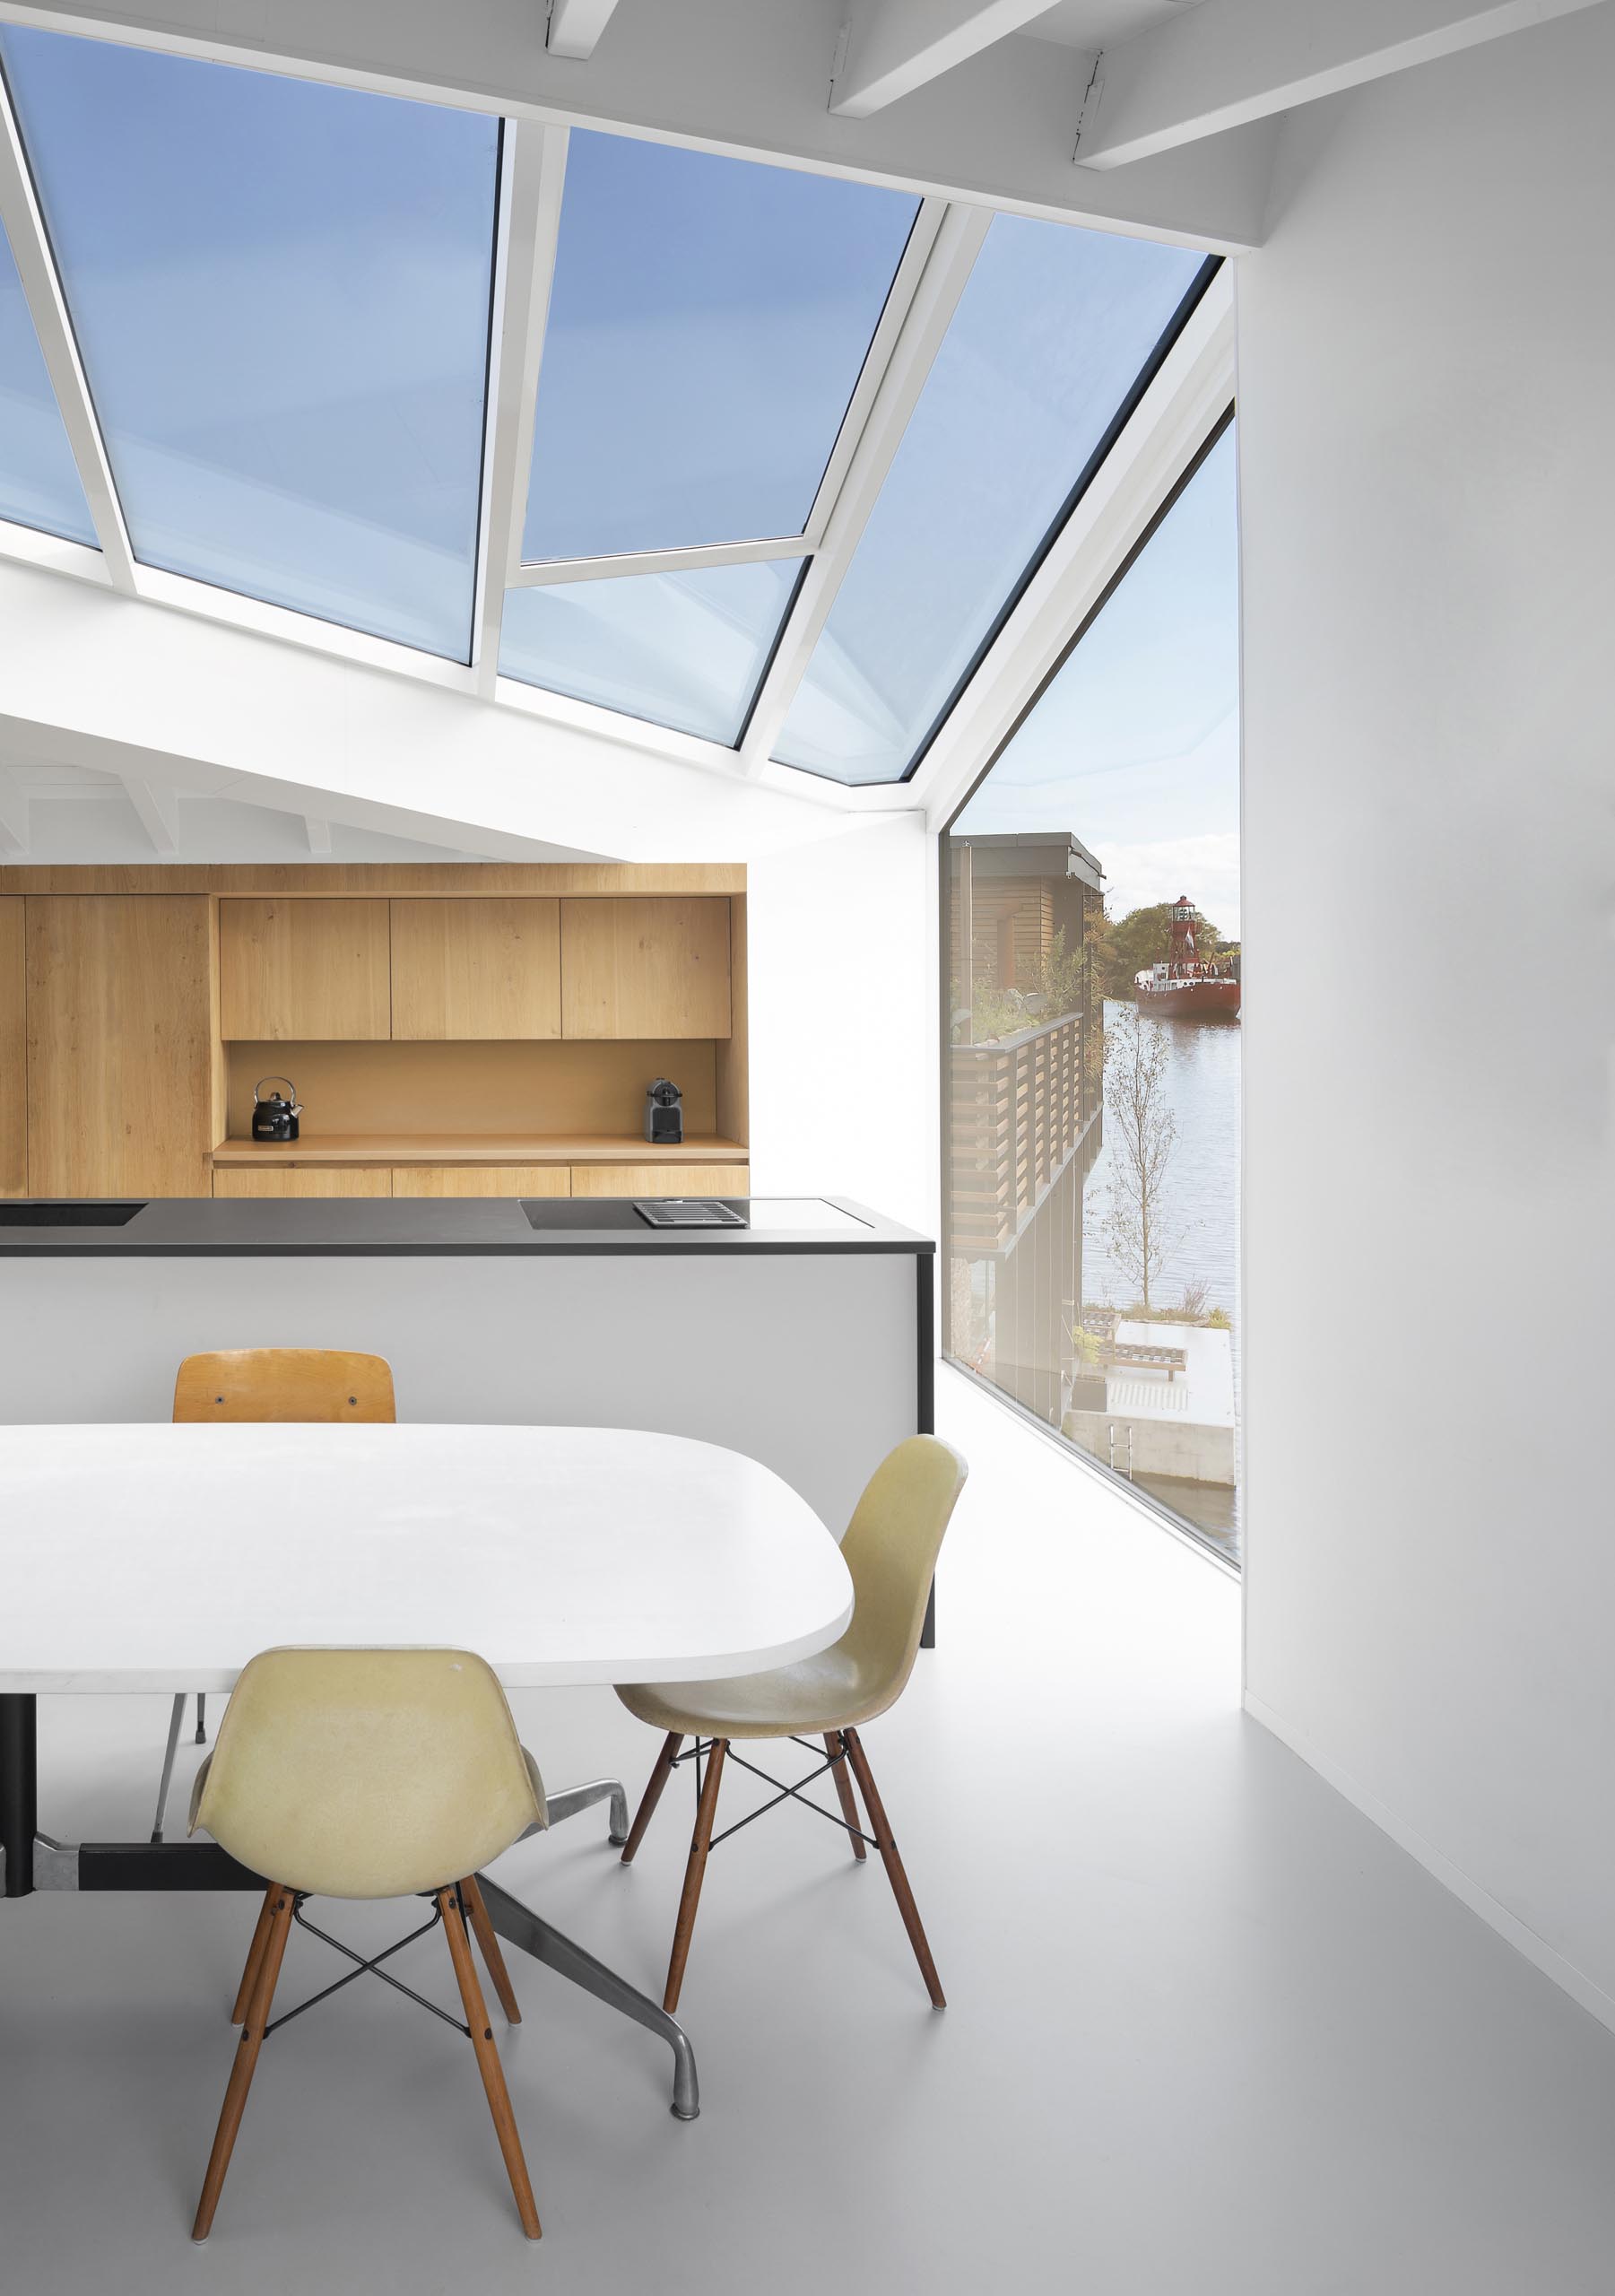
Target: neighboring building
x=1025, y=1106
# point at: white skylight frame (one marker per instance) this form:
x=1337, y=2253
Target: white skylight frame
x=931, y=276
x=535, y=573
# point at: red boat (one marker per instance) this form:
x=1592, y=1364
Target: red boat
x=1183, y=986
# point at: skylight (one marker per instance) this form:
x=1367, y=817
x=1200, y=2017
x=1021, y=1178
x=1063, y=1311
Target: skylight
x=685, y=650
x=281, y=293
x=708, y=322
x=1045, y=348
x=38, y=482
x=777, y=498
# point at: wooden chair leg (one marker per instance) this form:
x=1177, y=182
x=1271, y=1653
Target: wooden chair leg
x=880, y=1825
x=834, y=1745
x=254, y=1956
x=273, y=1952
x=652, y=1794
x=488, y=2058
x=701, y=1842
x=483, y=1931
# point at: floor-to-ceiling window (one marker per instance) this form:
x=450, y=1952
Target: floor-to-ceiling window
x=1092, y=1075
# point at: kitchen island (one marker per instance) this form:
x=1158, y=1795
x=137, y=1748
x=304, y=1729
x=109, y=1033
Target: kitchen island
x=804, y=1337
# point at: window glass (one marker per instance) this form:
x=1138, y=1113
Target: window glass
x=281, y=294
x=708, y=322
x=39, y=479
x=684, y=650
x=1046, y=345
x=1093, y=1070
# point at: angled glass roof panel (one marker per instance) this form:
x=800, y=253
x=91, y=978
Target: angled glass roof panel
x=281, y=294
x=39, y=478
x=1049, y=342
x=684, y=650
x=707, y=323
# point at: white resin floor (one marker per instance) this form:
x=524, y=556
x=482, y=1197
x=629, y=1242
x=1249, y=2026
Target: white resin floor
x=1209, y=2031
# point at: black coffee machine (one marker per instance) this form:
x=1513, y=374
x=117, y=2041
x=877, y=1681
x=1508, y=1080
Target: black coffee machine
x=663, y=1114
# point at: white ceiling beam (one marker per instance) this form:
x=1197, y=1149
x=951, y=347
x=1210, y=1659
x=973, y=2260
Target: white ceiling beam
x=14, y=815
x=573, y=26
x=533, y=176
x=36, y=267
x=746, y=77
x=318, y=834
x=1228, y=63
x=890, y=48
x=159, y=811
x=935, y=298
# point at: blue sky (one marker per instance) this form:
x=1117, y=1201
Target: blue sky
x=1135, y=745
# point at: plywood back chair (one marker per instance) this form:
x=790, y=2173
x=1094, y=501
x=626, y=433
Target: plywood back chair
x=313, y=1385
x=243, y=1385
x=891, y=1549
x=368, y=1773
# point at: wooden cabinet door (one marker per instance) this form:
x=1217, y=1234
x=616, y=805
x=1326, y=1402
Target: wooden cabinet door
x=119, y=1045
x=652, y=968
x=298, y=971
x=13, y=1052
x=301, y=1179
x=482, y=1180
x=467, y=969
x=660, y=1179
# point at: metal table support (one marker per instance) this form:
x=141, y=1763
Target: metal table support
x=33, y=1861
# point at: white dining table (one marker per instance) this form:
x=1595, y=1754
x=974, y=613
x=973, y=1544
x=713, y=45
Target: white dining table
x=160, y=1557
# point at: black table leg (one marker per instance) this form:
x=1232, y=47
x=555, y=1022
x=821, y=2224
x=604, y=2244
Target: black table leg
x=19, y=1788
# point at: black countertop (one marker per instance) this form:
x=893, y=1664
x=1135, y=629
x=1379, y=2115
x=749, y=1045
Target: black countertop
x=387, y=1227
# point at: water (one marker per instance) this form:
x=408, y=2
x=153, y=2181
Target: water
x=1201, y=1204
x=1201, y=1186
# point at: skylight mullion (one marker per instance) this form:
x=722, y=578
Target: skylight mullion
x=918, y=337
x=530, y=193
x=550, y=570
x=861, y=406
x=31, y=252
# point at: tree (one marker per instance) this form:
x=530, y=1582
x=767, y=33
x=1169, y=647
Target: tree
x=1141, y=1132
x=1139, y=939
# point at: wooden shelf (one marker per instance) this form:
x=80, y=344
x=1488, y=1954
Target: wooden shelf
x=478, y=1148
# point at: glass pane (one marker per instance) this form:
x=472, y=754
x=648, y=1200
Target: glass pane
x=1093, y=1082
x=38, y=480
x=707, y=323
x=281, y=294
x=684, y=650
x=1047, y=344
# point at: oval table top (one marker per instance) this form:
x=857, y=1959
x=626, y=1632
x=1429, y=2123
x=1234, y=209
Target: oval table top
x=158, y=1557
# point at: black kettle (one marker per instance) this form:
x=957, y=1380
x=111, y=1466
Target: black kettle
x=274, y=1118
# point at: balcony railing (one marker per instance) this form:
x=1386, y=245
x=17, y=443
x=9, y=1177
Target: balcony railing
x=1018, y=1111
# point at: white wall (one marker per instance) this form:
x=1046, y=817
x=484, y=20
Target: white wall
x=843, y=1019
x=1427, y=381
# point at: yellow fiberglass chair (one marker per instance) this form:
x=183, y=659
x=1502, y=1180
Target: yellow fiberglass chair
x=368, y=1774
x=891, y=1549
x=254, y=1384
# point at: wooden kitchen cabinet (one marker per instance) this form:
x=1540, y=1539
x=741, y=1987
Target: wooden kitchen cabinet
x=482, y=1180
x=303, y=1180
x=476, y=968
x=120, y=1034
x=13, y=1056
x=304, y=971
x=660, y=1179
x=656, y=968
